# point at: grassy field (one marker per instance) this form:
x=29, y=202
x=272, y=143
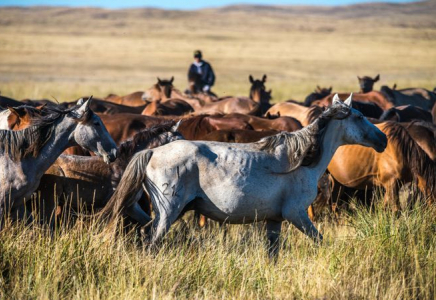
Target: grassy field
x=66, y=53
x=374, y=256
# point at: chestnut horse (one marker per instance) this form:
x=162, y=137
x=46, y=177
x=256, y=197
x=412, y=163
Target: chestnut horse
x=256, y=104
x=18, y=118
x=402, y=162
x=133, y=99
x=281, y=123
x=305, y=115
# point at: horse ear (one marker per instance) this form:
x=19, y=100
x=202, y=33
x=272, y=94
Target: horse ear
x=377, y=78
x=176, y=126
x=268, y=115
x=83, y=110
x=264, y=78
x=336, y=99
x=158, y=80
x=251, y=79
x=172, y=79
x=359, y=78
x=395, y=86
x=349, y=99
x=14, y=111
x=80, y=101
x=330, y=89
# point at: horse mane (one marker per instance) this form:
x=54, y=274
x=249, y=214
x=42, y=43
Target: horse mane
x=389, y=114
x=304, y=145
x=314, y=113
x=146, y=139
x=413, y=156
x=29, y=142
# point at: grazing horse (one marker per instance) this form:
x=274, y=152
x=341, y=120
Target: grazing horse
x=25, y=155
x=274, y=179
x=89, y=179
x=406, y=113
x=366, y=83
x=402, y=162
x=318, y=94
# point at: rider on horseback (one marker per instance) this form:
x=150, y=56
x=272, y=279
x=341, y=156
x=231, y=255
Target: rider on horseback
x=200, y=74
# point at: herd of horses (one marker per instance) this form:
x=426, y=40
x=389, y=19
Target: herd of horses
x=152, y=155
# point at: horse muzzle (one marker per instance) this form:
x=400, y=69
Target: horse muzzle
x=382, y=143
x=110, y=157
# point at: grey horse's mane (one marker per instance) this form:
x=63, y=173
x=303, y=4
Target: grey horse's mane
x=304, y=145
x=29, y=142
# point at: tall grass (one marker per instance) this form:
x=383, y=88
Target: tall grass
x=373, y=255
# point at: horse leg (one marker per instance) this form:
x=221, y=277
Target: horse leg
x=273, y=229
x=300, y=219
x=391, y=196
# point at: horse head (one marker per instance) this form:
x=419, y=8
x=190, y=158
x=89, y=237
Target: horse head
x=90, y=133
x=258, y=91
x=354, y=127
x=367, y=83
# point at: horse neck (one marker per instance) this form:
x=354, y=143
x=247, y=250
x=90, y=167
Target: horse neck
x=330, y=142
x=61, y=139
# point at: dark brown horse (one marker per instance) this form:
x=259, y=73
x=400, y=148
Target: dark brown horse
x=406, y=113
x=318, y=94
x=9, y=102
x=424, y=134
x=398, y=98
x=279, y=124
x=366, y=83
x=75, y=182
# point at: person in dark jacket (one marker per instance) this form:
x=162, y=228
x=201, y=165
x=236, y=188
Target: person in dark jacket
x=201, y=74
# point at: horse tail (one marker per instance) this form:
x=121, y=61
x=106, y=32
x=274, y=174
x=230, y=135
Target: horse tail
x=388, y=115
x=420, y=164
x=130, y=185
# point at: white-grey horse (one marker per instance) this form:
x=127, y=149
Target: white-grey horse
x=25, y=155
x=274, y=179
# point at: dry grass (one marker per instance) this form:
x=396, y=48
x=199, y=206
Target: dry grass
x=374, y=256
x=67, y=53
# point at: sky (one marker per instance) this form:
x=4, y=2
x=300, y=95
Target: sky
x=179, y=4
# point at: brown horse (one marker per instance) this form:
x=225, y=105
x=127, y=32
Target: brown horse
x=161, y=90
x=279, y=124
x=424, y=134
x=403, y=161
x=305, y=115
x=197, y=127
x=133, y=99
x=374, y=97
x=406, y=113
x=366, y=83
x=256, y=104
x=171, y=107
x=75, y=182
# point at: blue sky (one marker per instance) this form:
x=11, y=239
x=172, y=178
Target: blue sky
x=173, y=4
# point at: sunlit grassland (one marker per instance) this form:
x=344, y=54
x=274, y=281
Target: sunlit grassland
x=67, y=53
x=373, y=255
